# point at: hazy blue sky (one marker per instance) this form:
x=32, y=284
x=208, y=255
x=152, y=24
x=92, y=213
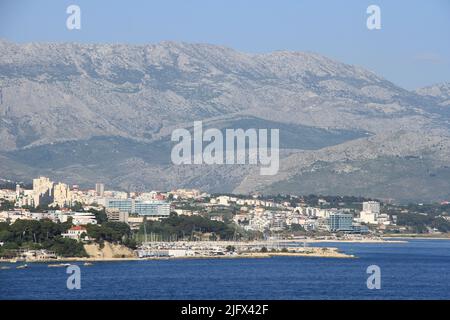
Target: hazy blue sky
x=412, y=49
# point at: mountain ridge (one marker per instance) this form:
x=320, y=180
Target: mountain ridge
x=70, y=93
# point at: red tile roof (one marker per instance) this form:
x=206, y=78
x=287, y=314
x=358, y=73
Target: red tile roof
x=78, y=228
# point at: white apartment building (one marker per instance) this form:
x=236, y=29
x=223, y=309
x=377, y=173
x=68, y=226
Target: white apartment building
x=383, y=218
x=42, y=191
x=8, y=195
x=259, y=224
x=25, y=198
x=371, y=206
x=62, y=196
x=370, y=212
x=12, y=216
x=117, y=215
x=100, y=189
x=223, y=200
x=186, y=193
x=78, y=218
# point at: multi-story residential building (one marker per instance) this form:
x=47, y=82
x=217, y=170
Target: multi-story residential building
x=371, y=206
x=370, y=212
x=296, y=219
x=148, y=196
x=117, y=215
x=124, y=205
x=383, y=218
x=42, y=191
x=12, y=216
x=259, y=211
x=78, y=218
x=217, y=218
x=340, y=222
x=116, y=194
x=62, y=195
x=223, y=200
x=25, y=199
x=135, y=222
x=152, y=208
x=99, y=189
x=184, y=212
x=186, y=193
x=258, y=223
x=311, y=211
x=8, y=195
x=310, y=224
x=87, y=197
x=368, y=217
x=277, y=223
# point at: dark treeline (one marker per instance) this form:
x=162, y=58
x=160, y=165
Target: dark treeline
x=43, y=234
x=46, y=234
x=419, y=223
x=184, y=227
x=116, y=232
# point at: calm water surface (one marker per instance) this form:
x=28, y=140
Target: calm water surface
x=419, y=269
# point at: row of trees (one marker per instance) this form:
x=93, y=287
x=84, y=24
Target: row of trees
x=419, y=223
x=44, y=234
x=184, y=226
x=25, y=231
x=117, y=232
x=6, y=205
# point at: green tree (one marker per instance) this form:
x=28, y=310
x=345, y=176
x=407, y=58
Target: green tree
x=66, y=247
x=230, y=248
x=6, y=205
x=100, y=215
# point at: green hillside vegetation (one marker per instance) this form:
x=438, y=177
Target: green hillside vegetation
x=46, y=234
x=185, y=226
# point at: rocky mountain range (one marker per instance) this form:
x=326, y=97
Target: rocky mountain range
x=83, y=113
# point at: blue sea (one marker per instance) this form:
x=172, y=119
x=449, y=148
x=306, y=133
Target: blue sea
x=418, y=269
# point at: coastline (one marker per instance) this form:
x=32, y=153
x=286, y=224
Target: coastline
x=346, y=241
x=313, y=252
x=316, y=252
x=420, y=237
x=309, y=252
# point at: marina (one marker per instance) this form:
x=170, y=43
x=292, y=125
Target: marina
x=230, y=249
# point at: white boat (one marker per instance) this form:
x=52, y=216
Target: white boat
x=59, y=265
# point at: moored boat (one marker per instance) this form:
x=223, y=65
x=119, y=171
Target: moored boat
x=59, y=265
